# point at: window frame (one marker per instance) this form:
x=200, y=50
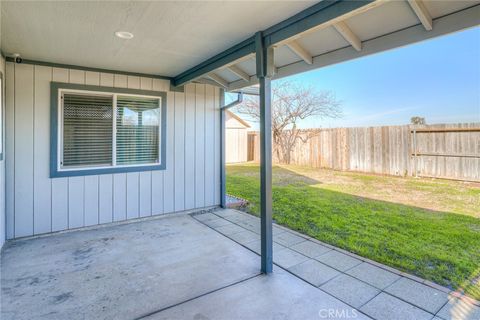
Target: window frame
x=56, y=130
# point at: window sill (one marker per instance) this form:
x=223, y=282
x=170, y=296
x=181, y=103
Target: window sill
x=54, y=173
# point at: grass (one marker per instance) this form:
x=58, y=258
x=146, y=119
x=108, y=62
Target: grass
x=428, y=228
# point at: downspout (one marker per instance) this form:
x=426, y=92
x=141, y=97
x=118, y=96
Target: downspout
x=223, y=108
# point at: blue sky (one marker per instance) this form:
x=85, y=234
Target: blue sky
x=437, y=79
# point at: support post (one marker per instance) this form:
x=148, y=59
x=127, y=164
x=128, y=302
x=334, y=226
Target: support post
x=223, y=182
x=264, y=61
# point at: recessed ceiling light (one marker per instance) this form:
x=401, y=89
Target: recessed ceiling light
x=124, y=35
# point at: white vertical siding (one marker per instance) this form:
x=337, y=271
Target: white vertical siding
x=211, y=107
x=200, y=145
x=42, y=185
x=23, y=149
x=36, y=204
x=189, y=146
x=9, y=150
x=169, y=173
x=179, y=151
x=2, y=161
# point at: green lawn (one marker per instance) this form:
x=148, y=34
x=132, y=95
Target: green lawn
x=429, y=228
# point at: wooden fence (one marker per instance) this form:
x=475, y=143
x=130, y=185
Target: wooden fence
x=449, y=151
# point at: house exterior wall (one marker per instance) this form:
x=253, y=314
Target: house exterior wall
x=2, y=160
x=37, y=204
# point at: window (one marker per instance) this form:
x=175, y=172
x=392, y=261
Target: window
x=100, y=131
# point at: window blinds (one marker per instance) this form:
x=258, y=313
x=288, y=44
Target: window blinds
x=87, y=130
x=138, y=123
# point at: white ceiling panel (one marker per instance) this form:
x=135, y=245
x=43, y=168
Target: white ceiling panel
x=438, y=8
x=322, y=41
x=283, y=56
x=169, y=36
x=389, y=17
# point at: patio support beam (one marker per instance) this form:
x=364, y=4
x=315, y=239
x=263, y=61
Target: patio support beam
x=239, y=72
x=320, y=15
x=223, y=172
x=300, y=51
x=422, y=13
x=348, y=35
x=265, y=69
x=219, y=80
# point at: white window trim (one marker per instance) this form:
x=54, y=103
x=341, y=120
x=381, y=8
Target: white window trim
x=114, y=96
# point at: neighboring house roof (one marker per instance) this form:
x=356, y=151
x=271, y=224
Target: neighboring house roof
x=240, y=120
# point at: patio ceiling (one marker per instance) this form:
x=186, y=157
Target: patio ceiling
x=173, y=39
x=336, y=31
x=169, y=36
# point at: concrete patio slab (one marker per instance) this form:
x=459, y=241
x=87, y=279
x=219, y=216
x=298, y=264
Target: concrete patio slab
x=276, y=230
x=245, y=236
x=287, y=258
x=287, y=239
x=120, y=271
x=230, y=229
x=373, y=275
x=350, y=290
x=458, y=309
x=218, y=222
x=310, y=249
x=338, y=260
x=276, y=296
x=418, y=294
x=385, y=306
x=253, y=226
x=255, y=246
x=314, y=272
x=227, y=213
x=206, y=217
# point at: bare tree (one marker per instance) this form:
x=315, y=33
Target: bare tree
x=292, y=103
x=417, y=120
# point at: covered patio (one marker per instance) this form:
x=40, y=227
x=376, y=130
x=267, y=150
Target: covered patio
x=113, y=160
x=205, y=266
x=161, y=268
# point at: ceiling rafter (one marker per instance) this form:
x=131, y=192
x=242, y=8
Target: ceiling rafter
x=422, y=13
x=217, y=79
x=239, y=72
x=320, y=15
x=348, y=35
x=300, y=51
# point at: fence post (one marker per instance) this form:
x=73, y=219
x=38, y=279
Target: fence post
x=415, y=151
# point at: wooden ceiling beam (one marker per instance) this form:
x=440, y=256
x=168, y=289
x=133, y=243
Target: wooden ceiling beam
x=239, y=72
x=300, y=51
x=422, y=13
x=348, y=35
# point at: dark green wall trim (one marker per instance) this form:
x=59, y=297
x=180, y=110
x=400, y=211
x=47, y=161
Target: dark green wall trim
x=313, y=16
x=70, y=66
x=54, y=173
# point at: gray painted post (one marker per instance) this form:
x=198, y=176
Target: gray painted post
x=266, y=174
x=264, y=61
x=223, y=181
